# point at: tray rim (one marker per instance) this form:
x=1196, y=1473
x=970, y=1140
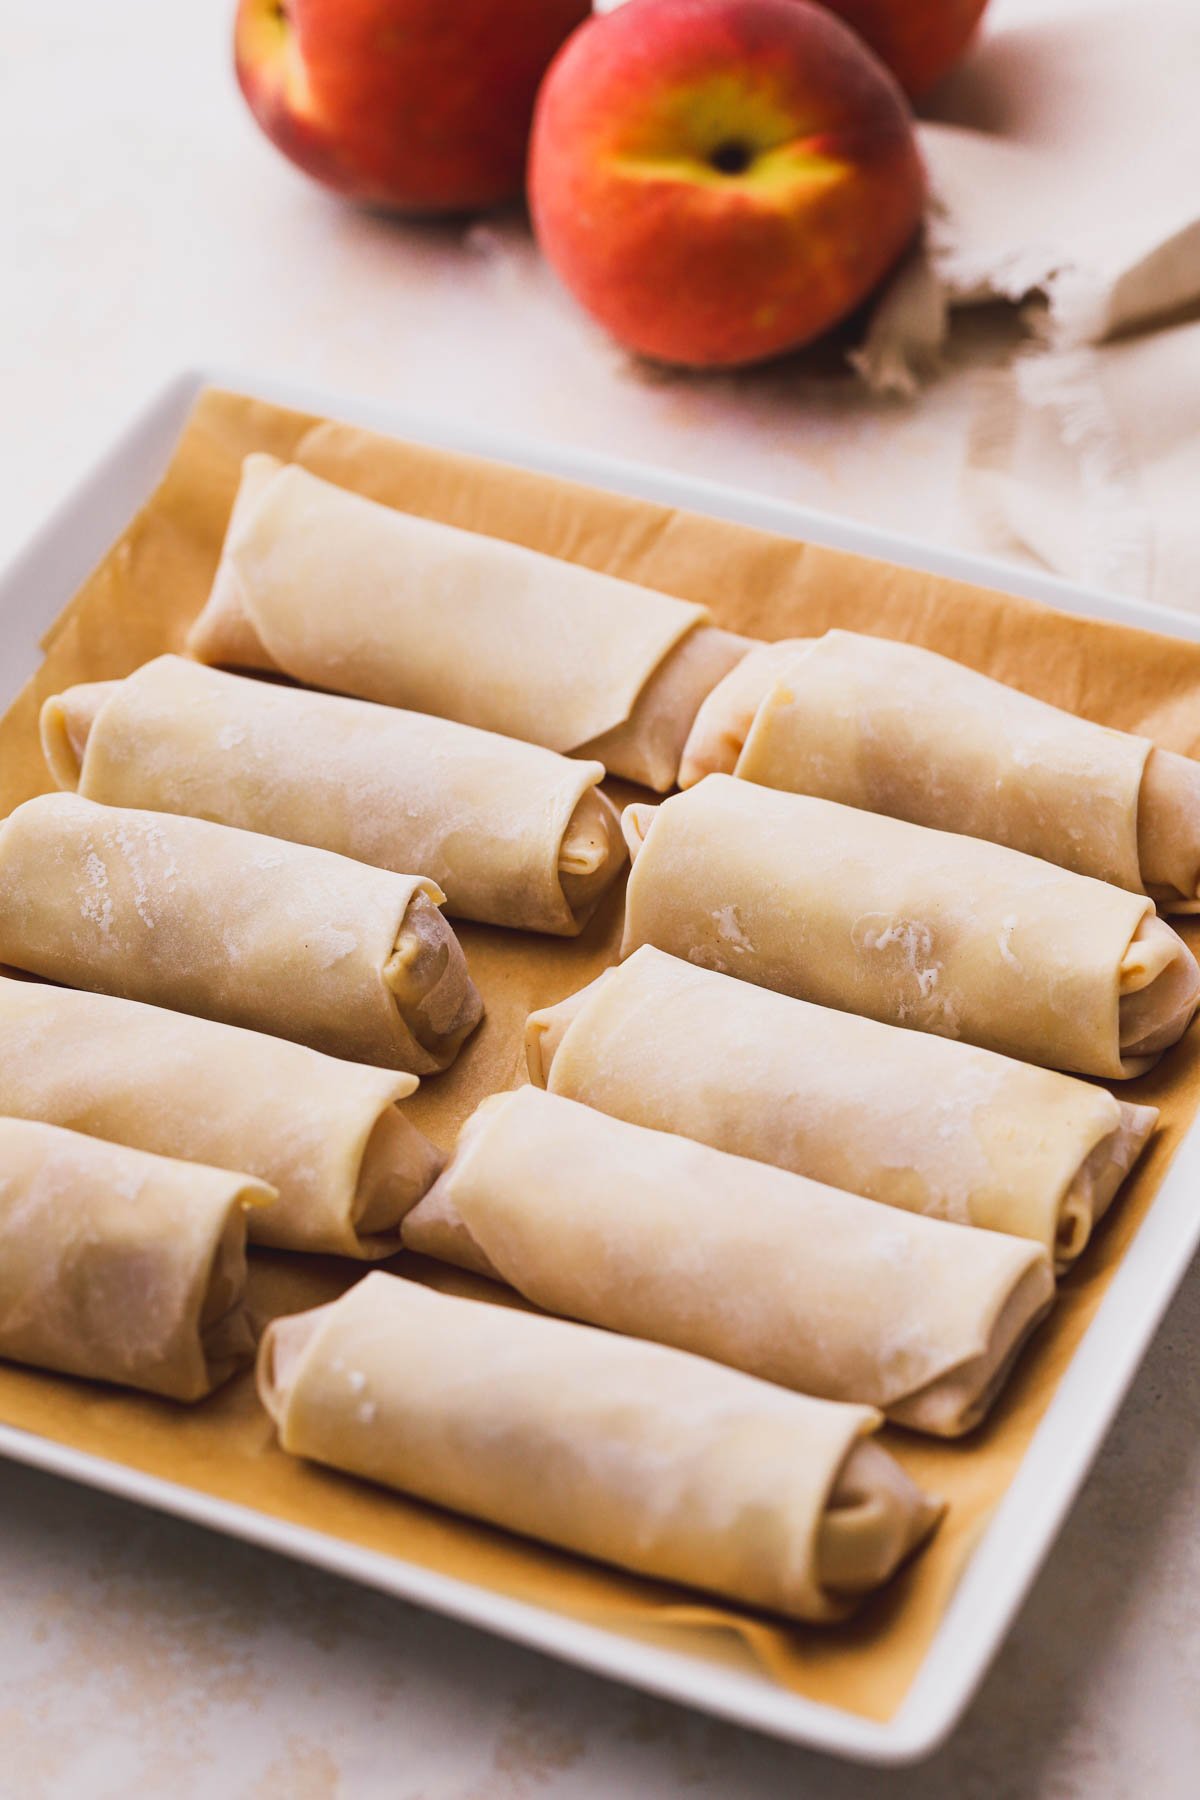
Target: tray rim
x=53, y=563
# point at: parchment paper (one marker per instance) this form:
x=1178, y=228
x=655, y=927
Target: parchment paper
x=140, y=601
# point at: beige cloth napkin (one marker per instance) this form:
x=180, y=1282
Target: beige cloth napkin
x=1065, y=162
x=1089, y=458
x=1065, y=168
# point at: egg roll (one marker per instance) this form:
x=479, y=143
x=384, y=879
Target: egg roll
x=204, y=919
x=900, y=730
x=654, y=1235
x=911, y=926
x=511, y=833
x=723, y=720
x=328, y=1136
x=121, y=1266
x=341, y=592
x=905, y=1118
x=627, y=1452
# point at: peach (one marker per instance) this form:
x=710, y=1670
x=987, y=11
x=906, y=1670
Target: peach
x=719, y=181
x=919, y=40
x=418, y=105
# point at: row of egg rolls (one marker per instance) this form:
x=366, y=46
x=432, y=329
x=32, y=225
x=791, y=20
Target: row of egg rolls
x=119, y=1265
x=911, y=926
x=127, y=1267
x=656, y=1236
x=327, y=1135
x=340, y=592
x=905, y=1118
x=897, y=729
x=511, y=833
x=628, y=1452
x=251, y=930
x=714, y=1240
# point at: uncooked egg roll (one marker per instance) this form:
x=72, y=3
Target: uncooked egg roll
x=626, y=1452
x=204, y=919
x=654, y=1235
x=900, y=730
x=340, y=592
x=906, y=1118
x=121, y=1266
x=722, y=723
x=329, y=1136
x=911, y=926
x=512, y=834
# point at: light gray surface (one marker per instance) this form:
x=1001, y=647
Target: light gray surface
x=144, y=228
x=140, y=1655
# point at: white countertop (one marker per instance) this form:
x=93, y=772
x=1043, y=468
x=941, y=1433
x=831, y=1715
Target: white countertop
x=147, y=227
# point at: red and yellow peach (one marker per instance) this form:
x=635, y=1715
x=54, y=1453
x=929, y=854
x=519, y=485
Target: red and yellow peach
x=422, y=106
x=718, y=181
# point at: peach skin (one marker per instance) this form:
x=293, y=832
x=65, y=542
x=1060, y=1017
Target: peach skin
x=419, y=106
x=719, y=181
x=919, y=40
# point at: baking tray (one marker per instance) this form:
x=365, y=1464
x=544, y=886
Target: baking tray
x=1024, y=1525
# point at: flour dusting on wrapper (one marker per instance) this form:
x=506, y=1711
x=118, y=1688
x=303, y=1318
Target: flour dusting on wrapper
x=907, y=1118
x=202, y=918
x=648, y=1233
x=926, y=929
x=627, y=1452
x=512, y=834
x=898, y=729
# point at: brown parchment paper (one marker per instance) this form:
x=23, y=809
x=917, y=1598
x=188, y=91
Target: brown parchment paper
x=140, y=601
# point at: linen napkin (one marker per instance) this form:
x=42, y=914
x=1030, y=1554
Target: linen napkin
x=1089, y=458
x=1065, y=171
x=1065, y=161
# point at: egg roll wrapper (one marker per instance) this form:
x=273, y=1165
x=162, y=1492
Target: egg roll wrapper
x=1169, y=830
x=725, y=717
x=327, y=1135
x=898, y=729
x=905, y=1118
x=120, y=1266
x=629, y=1453
x=660, y=1237
x=512, y=834
x=141, y=601
x=230, y=925
x=914, y=927
x=339, y=592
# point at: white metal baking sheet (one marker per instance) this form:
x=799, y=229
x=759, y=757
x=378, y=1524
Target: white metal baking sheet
x=33, y=591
